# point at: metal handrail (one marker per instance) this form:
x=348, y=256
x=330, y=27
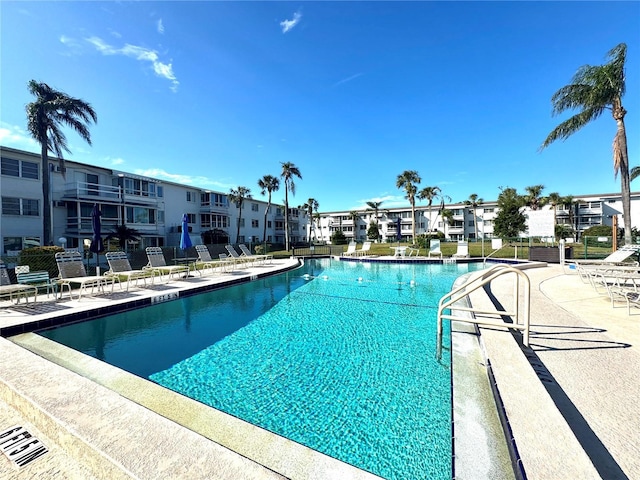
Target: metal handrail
x=521, y=319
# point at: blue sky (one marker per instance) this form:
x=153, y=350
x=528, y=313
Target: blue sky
x=218, y=94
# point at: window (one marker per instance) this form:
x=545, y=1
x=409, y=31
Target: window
x=159, y=191
x=470, y=223
x=191, y=218
x=15, y=244
x=241, y=222
x=489, y=210
x=17, y=168
x=254, y=207
x=141, y=215
x=268, y=223
x=191, y=196
x=255, y=223
x=20, y=206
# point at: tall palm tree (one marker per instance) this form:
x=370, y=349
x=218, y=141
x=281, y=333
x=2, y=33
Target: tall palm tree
x=474, y=202
x=375, y=206
x=238, y=196
x=570, y=202
x=554, y=199
x=634, y=173
x=593, y=90
x=534, y=197
x=310, y=207
x=430, y=194
x=447, y=216
x=46, y=116
x=268, y=184
x=409, y=179
x=354, y=216
x=289, y=171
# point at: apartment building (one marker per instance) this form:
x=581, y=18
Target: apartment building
x=468, y=222
x=151, y=206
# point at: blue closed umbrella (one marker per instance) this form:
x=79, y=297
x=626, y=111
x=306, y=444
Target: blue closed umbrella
x=96, y=241
x=185, y=240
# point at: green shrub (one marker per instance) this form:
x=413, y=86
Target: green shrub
x=338, y=238
x=41, y=258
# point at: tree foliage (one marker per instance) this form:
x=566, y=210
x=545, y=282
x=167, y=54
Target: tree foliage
x=510, y=222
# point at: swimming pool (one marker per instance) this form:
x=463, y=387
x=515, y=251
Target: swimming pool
x=338, y=356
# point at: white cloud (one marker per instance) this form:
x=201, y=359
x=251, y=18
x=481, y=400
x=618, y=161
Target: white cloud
x=195, y=181
x=16, y=137
x=348, y=79
x=287, y=25
x=160, y=26
x=164, y=70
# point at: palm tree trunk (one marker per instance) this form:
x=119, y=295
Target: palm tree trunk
x=266, y=211
x=46, y=196
x=238, y=230
x=286, y=216
x=621, y=135
x=413, y=222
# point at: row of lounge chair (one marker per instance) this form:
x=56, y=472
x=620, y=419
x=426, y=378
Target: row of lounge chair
x=72, y=272
x=434, y=250
x=617, y=275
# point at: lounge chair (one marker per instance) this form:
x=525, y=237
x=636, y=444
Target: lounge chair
x=434, y=248
x=227, y=262
x=463, y=250
x=351, y=250
x=120, y=267
x=205, y=261
x=12, y=290
x=39, y=279
x=247, y=253
x=72, y=272
x=364, y=251
x=619, y=256
x=158, y=264
x=237, y=257
x=413, y=250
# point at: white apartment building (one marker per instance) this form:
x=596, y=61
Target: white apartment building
x=151, y=206
x=470, y=223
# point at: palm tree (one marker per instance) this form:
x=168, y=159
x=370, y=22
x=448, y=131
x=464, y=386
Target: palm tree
x=310, y=207
x=409, y=180
x=474, y=202
x=594, y=89
x=46, y=116
x=554, y=199
x=237, y=196
x=123, y=234
x=447, y=216
x=354, y=216
x=570, y=202
x=534, y=197
x=430, y=194
x=289, y=171
x=634, y=173
x=268, y=184
x=375, y=206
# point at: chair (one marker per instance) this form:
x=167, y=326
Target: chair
x=434, y=248
x=227, y=263
x=12, y=290
x=72, y=272
x=205, y=260
x=120, y=267
x=364, y=251
x=247, y=253
x=237, y=257
x=463, y=250
x=351, y=250
x=413, y=250
x=39, y=279
x=619, y=256
x=158, y=264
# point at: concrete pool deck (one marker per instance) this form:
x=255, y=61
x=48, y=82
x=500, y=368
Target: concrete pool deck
x=584, y=423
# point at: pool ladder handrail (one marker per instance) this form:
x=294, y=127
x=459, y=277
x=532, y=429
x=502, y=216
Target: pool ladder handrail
x=453, y=301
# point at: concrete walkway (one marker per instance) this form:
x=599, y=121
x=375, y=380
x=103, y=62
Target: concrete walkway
x=573, y=397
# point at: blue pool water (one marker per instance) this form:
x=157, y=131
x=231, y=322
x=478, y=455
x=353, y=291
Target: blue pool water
x=338, y=356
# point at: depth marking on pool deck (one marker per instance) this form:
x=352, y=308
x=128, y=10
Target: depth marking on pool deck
x=20, y=447
x=165, y=298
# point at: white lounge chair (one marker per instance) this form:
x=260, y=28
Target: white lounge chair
x=350, y=251
x=120, y=267
x=158, y=264
x=260, y=257
x=72, y=272
x=205, y=260
x=237, y=257
x=364, y=251
x=12, y=290
x=434, y=248
x=463, y=250
x=619, y=256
